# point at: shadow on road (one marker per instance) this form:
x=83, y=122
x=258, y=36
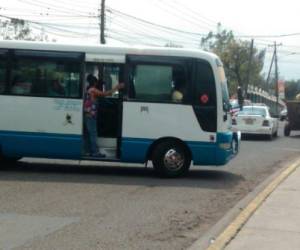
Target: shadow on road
x=116, y=175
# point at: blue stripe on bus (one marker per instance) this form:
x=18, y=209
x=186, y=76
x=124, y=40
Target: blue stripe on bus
x=31, y=144
x=203, y=153
x=224, y=155
x=135, y=149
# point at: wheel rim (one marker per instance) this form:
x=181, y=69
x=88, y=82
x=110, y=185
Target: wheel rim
x=173, y=160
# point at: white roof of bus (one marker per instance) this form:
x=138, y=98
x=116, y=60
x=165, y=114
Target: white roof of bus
x=106, y=49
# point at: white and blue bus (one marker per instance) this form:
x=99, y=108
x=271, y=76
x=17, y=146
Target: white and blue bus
x=149, y=120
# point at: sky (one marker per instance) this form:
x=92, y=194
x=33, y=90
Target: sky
x=180, y=22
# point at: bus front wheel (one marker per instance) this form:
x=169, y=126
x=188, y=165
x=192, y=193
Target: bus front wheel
x=171, y=159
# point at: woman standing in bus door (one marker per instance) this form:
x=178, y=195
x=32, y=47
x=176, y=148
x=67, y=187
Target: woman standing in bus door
x=90, y=112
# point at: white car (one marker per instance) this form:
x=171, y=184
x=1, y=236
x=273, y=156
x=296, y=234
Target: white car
x=255, y=120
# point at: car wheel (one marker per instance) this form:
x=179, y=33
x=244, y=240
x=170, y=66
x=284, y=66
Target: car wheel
x=171, y=159
x=287, y=129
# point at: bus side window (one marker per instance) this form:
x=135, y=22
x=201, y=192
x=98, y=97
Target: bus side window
x=108, y=74
x=3, y=70
x=112, y=75
x=151, y=83
x=45, y=74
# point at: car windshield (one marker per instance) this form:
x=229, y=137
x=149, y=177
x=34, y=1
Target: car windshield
x=253, y=111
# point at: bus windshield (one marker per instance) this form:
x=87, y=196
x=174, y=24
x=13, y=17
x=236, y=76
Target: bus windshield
x=225, y=95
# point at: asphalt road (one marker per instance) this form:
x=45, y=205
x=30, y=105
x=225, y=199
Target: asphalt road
x=67, y=205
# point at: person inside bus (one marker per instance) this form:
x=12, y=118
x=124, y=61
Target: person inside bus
x=56, y=89
x=90, y=113
x=178, y=87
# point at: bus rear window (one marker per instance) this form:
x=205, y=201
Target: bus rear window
x=225, y=94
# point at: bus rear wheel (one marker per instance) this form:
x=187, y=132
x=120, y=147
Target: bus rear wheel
x=171, y=159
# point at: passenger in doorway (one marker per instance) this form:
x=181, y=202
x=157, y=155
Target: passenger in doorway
x=90, y=112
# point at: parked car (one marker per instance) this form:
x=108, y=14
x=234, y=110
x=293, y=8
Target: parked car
x=255, y=119
x=234, y=107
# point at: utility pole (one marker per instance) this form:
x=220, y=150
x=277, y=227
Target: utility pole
x=275, y=60
x=249, y=67
x=102, y=22
x=276, y=78
x=269, y=74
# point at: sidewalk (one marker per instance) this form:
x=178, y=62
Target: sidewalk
x=276, y=223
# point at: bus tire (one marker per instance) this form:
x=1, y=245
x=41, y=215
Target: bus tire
x=171, y=159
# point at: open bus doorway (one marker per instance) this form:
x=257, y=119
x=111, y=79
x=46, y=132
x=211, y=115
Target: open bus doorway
x=109, y=109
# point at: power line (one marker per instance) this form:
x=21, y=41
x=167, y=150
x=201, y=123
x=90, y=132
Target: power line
x=269, y=36
x=132, y=26
x=160, y=39
x=155, y=24
x=51, y=7
x=181, y=15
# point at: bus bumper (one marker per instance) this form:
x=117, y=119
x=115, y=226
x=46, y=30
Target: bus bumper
x=228, y=147
x=219, y=153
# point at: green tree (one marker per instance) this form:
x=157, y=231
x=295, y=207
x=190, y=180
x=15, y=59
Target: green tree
x=18, y=29
x=15, y=29
x=292, y=88
x=235, y=56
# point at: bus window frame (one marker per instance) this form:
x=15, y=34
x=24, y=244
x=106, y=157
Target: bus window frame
x=6, y=57
x=12, y=56
x=133, y=60
x=195, y=90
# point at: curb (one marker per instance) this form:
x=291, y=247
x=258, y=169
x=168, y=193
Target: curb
x=234, y=227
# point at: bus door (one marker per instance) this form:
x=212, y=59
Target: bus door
x=109, y=122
